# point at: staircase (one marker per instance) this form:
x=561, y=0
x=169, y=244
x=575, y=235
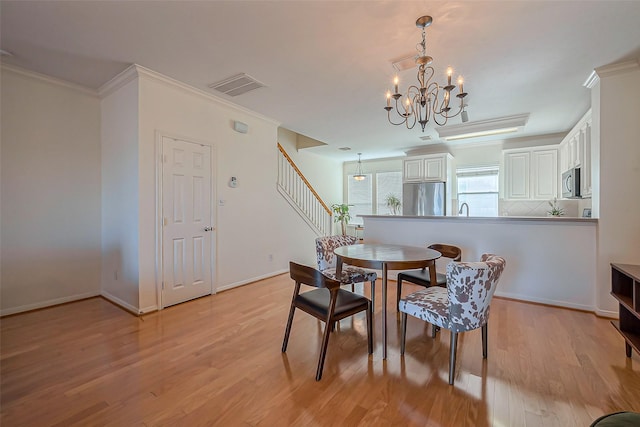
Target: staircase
x=295, y=188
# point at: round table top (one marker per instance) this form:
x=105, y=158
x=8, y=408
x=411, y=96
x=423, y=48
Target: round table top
x=385, y=253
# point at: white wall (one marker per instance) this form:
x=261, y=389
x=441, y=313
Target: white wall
x=50, y=176
x=120, y=248
x=255, y=221
x=619, y=153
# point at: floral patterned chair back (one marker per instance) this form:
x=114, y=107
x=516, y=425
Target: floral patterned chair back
x=463, y=306
x=325, y=246
x=470, y=287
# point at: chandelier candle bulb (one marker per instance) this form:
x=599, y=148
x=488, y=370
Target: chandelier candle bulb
x=460, y=81
x=388, y=98
x=395, y=84
x=449, y=73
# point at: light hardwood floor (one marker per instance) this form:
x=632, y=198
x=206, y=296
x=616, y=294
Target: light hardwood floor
x=217, y=361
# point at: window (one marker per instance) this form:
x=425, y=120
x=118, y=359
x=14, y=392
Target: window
x=359, y=198
x=369, y=196
x=478, y=188
x=387, y=184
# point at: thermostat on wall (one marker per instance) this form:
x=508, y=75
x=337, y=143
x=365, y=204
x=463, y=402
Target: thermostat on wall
x=233, y=182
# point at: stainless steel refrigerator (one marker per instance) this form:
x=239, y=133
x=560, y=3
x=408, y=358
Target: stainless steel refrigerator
x=424, y=199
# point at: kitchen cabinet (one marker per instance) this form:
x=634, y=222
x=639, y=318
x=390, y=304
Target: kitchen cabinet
x=575, y=151
x=433, y=167
x=531, y=173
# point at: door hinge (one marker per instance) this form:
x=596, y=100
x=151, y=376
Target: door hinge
x=164, y=222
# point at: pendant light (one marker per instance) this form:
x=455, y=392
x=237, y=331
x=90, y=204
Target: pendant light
x=359, y=176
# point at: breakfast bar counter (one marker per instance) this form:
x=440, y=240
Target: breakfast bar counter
x=551, y=260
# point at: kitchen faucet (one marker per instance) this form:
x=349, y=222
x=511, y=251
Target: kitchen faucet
x=462, y=206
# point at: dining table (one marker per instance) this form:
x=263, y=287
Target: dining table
x=385, y=257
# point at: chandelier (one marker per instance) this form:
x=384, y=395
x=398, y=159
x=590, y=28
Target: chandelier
x=428, y=100
x=359, y=176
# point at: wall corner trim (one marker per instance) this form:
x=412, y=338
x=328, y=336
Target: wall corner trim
x=618, y=68
x=124, y=77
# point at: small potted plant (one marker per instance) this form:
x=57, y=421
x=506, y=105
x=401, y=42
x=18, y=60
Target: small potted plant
x=556, y=210
x=341, y=214
x=393, y=203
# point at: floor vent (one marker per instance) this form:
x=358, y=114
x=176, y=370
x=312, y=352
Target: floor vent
x=236, y=85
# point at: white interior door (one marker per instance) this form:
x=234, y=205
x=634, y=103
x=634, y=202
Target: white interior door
x=187, y=221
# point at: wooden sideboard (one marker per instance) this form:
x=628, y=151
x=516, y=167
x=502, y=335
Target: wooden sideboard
x=625, y=287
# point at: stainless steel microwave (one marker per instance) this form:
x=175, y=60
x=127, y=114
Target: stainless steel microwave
x=571, y=184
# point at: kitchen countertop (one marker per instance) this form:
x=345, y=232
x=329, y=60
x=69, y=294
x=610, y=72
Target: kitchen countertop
x=489, y=219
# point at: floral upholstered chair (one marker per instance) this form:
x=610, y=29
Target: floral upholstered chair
x=350, y=274
x=462, y=306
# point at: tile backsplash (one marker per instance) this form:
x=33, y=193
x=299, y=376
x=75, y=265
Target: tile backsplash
x=572, y=208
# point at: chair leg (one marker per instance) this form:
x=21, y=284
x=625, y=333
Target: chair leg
x=327, y=331
x=484, y=341
x=403, y=333
x=370, y=327
x=373, y=295
x=353, y=287
x=452, y=357
x=323, y=350
x=434, y=329
x=288, y=328
x=398, y=293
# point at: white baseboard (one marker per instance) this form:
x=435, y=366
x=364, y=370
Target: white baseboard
x=48, y=303
x=123, y=304
x=607, y=313
x=565, y=304
x=254, y=279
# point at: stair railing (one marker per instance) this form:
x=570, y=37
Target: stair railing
x=295, y=188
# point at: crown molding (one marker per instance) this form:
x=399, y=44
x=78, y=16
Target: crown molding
x=592, y=80
x=618, y=68
x=134, y=71
x=48, y=79
x=128, y=74
x=452, y=131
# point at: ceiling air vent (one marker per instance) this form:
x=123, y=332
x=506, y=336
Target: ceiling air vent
x=404, y=62
x=236, y=85
x=425, y=138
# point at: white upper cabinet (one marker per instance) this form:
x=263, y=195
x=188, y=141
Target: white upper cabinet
x=517, y=166
x=531, y=173
x=575, y=151
x=413, y=169
x=433, y=167
x=544, y=165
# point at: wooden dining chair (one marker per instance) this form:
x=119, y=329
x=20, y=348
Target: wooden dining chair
x=351, y=275
x=460, y=307
x=328, y=303
x=421, y=277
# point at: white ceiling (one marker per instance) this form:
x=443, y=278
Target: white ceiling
x=326, y=64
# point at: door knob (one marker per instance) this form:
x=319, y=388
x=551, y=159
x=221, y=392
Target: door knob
x=208, y=229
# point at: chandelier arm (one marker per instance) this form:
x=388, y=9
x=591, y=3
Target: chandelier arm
x=404, y=117
x=435, y=119
x=394, y=123
x=450, y=116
